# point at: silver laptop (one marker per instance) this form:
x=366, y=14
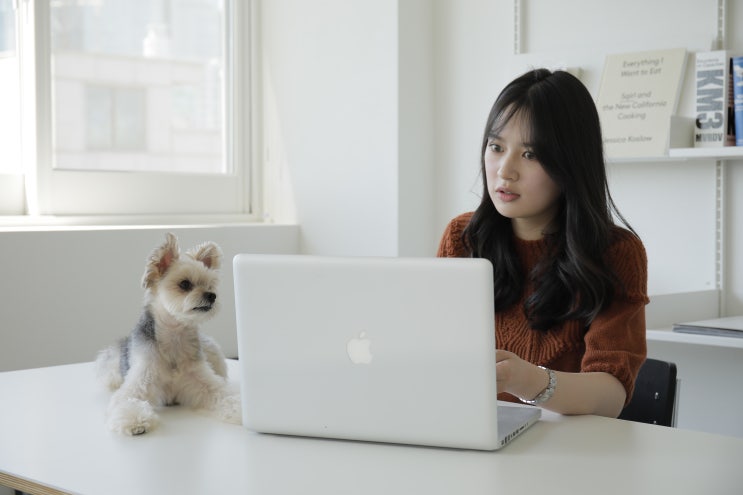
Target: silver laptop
x=396, y=350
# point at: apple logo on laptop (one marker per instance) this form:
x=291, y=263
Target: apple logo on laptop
x=359, y=349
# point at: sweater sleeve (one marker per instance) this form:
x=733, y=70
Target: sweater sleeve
x=452, y=244
x=615, y=341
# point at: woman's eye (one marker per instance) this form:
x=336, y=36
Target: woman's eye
x=494, y=147
x=529, y=155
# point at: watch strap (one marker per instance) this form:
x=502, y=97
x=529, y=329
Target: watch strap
x=545, y=394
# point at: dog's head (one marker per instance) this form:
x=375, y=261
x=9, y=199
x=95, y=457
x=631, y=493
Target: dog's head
x=185, y=285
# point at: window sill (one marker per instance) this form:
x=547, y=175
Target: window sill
x=12, y=223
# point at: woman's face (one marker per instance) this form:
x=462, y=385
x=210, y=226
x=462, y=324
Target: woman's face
x=518, y=185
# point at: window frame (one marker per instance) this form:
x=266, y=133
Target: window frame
x=44, y=194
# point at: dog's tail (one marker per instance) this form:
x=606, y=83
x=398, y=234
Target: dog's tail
x=108, y=367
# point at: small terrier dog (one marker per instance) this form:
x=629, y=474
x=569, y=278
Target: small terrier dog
x=166, y=360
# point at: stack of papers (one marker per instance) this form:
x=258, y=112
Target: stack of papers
x=731, y=326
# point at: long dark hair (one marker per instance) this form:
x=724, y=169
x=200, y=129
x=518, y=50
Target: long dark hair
x=573, y=281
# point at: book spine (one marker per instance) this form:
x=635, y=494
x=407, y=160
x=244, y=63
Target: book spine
x=737, y=70
x=729, y=104
x=711, y=123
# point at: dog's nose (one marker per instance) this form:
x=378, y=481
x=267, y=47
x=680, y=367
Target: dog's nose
x=210, y=296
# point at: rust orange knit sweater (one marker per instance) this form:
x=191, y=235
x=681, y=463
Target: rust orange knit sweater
x=614, y=342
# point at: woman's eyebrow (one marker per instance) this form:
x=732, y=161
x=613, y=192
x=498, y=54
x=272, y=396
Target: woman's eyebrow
x=494, y=135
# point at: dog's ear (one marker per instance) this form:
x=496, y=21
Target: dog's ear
x=160, y=260
x=208, y=253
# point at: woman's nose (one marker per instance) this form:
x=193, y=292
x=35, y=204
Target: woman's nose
x=507, y=169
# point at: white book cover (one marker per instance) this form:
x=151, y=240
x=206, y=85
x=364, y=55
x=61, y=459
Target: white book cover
x=639, y=93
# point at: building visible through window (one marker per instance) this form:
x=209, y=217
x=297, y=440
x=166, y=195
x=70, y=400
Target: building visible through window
x=141, y=78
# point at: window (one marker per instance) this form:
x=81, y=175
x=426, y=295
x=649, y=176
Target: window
x=11, y=180
x=125, y=107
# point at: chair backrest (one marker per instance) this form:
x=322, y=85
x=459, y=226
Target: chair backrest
x=654, y=398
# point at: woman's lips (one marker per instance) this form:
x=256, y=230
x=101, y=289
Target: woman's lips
x=505, y=195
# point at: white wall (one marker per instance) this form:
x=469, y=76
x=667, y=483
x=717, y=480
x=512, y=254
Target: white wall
x=329, y=78
x=347, y=112
x=416, y=117
x=733, y=276
x=64, y=295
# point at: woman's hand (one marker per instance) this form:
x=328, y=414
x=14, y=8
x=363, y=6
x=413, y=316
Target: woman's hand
x=519, y=377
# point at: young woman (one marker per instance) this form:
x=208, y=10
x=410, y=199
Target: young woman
x=570, y=285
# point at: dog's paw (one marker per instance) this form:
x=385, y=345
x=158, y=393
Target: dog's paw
x=131, y=417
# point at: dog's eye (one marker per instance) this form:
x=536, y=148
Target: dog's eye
x=185, y=285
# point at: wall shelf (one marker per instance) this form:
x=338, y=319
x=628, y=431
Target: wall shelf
x=722, y=153
x=668, y=335
x=644, y=159
x=683, y=154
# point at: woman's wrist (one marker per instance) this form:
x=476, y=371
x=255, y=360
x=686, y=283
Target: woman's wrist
x=546, y=393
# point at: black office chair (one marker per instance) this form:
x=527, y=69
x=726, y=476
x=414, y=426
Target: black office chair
x=655, y=396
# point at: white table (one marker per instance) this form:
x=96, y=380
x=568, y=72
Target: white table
x=53, y=440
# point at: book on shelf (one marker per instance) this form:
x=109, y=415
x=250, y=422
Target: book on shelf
x=731, y=326
x=737, y=77
x=714, y=123
x=638, y=94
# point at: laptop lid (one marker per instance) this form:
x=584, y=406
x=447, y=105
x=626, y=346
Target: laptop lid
x=397, y=350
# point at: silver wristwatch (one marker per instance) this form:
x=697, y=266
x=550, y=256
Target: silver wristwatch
x=545, y=394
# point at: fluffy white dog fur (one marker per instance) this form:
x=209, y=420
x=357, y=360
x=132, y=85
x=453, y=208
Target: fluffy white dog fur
x=166, y=360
